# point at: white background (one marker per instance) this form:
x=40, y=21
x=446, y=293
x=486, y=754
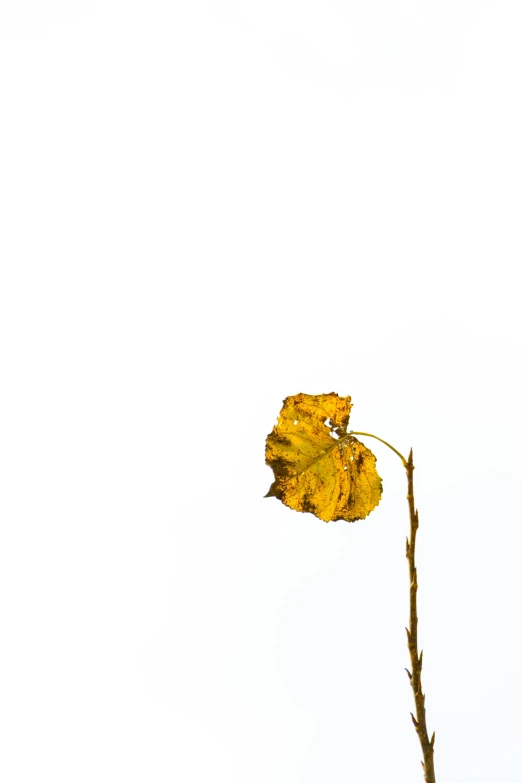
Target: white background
x=207, y=207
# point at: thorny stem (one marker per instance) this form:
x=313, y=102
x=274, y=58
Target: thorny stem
x=416, y=660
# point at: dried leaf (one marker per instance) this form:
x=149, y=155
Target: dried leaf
x=318, y=466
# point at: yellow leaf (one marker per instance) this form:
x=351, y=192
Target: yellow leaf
x=318, y=466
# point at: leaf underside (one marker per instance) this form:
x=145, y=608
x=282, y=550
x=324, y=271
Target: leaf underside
x=318, y=466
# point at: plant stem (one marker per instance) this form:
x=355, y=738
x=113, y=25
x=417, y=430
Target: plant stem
x=416, y=659
x=382, y=441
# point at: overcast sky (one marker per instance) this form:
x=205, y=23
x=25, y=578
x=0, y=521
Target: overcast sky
x=207, y=207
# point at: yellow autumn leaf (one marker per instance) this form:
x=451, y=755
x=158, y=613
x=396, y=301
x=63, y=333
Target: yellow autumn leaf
x=318, y=466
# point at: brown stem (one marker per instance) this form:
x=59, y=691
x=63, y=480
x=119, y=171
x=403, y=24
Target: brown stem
x=416, y=660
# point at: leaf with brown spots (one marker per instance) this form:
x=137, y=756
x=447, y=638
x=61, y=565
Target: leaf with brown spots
x=318, y=466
